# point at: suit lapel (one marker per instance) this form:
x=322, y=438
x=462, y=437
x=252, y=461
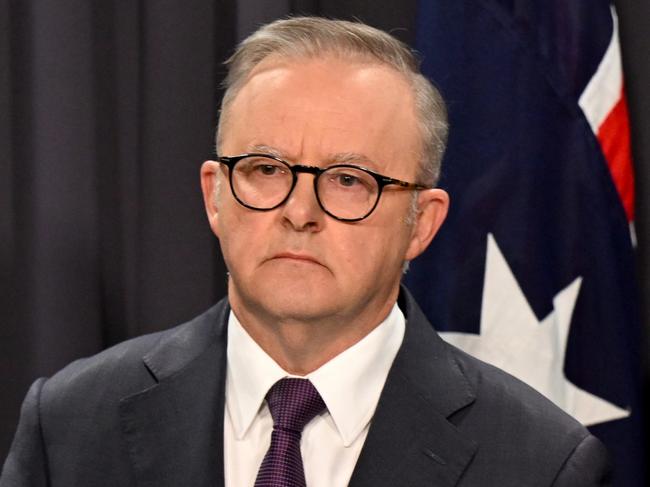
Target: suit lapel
x=174, y=429
x=411, y=440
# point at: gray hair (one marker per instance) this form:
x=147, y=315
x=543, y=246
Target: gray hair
x=310, y=37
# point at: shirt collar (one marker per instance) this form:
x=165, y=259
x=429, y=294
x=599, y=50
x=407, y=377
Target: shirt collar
x=350, y=384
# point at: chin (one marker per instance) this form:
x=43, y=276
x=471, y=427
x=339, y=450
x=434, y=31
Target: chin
x=292, y=296
x=302, y=314
x=305, y=280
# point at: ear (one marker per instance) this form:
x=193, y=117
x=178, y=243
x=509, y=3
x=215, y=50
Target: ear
x=433, y=205
x=209, y=173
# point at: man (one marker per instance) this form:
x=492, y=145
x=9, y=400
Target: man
x=318, y=369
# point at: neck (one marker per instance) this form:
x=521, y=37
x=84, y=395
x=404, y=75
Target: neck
x=301, y=346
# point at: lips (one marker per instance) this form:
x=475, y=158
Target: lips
x=298, y=257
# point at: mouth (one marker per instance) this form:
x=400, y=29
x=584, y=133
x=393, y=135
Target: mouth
x=296, y=257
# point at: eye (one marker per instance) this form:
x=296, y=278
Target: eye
x=261, y=167
x=267, y=169
x=347, y=180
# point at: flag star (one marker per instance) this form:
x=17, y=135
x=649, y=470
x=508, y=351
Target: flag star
x=513, y=339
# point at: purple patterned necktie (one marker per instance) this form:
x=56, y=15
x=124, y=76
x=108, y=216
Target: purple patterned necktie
x=293, y=403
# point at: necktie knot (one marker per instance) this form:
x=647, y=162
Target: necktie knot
x=293, y=403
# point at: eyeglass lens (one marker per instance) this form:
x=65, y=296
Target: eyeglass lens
x=344, y=192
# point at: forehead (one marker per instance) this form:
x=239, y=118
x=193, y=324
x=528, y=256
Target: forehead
x=311, y=108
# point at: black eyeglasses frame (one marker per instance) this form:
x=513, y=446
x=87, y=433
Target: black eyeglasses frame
x=382, y=181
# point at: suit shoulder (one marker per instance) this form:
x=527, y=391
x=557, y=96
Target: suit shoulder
x=124, y=368
x=523, y=425
x=498, y=390
x=485, y=391
x=520, y=437
x=513, y=423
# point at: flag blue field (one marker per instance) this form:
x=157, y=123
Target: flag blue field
x=534, y=268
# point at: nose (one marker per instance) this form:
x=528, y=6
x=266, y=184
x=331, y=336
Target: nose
x=302, y=211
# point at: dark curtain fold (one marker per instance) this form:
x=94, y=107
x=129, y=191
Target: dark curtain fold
x=107, y=110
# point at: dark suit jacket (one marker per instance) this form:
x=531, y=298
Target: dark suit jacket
x=149, y=412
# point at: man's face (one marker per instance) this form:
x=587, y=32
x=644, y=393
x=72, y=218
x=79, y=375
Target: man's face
x=296, y=262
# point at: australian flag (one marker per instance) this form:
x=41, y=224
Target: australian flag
x=534, y=269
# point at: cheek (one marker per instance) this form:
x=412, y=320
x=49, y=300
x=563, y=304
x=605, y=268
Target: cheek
x=363, y=254
x=384, y=250
x=242, y=236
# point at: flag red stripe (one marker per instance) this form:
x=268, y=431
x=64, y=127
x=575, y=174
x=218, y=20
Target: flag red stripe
x=614, y=138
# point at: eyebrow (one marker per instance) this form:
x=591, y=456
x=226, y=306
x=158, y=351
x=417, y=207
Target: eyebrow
x=339, y=158
x=265, y=149
x=351, y=158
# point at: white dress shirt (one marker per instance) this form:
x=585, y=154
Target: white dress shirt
x=350, y=385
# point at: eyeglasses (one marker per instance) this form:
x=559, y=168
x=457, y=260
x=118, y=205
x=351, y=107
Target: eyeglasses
x=344, y=191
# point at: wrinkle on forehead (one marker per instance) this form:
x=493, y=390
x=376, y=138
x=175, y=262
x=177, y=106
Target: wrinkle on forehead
x=327, y=159
x=333, y=111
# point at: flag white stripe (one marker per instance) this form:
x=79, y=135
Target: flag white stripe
x=604, y=89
